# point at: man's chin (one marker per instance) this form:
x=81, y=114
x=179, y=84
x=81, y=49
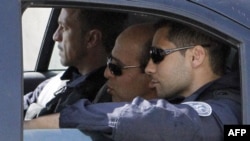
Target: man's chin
x=64, y=63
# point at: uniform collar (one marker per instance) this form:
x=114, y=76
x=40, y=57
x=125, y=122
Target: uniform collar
x=75, y=78
x=70, y=74
x=193, y=97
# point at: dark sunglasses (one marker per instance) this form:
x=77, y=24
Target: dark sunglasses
x=157, y=54
x=116, y=69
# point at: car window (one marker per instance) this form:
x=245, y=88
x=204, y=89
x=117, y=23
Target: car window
x=54, y=63
x=34, y=21
x=135, y=17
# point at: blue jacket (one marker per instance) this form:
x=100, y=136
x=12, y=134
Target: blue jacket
x=79, y=86
x=200, y=117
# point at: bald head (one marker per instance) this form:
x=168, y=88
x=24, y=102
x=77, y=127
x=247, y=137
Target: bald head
x=137, y=33
x=135, y=40
x=131, y=49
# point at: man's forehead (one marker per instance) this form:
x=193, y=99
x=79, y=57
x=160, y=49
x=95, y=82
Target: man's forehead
x=68, y=15
x=162, y=32
x=70, y=11
x=124, y=55
x=160, y=35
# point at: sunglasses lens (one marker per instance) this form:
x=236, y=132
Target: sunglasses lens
x=116, y=70
x=156, y=54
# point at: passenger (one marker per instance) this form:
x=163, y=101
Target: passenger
x=198, y=98
x=125, y=74
x=85, y=38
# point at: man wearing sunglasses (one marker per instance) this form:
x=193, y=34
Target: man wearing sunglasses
x=198, y=97
x=125, y=69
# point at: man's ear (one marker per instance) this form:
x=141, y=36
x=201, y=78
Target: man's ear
x=198, y=55
x=94, y=38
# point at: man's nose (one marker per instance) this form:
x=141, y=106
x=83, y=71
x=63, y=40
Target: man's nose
x=150, y=68
x=107, y=73
x=57, y=35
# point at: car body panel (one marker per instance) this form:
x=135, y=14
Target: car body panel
x=10, y=71
x=55, y=135
x=237, y=11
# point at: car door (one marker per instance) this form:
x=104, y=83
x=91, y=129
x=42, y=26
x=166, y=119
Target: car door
x=207, y=15
x=11, y=71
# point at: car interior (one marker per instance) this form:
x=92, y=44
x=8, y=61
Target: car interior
x=43, y=72
x=27, y=61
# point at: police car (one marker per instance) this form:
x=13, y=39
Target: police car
x=28, y=55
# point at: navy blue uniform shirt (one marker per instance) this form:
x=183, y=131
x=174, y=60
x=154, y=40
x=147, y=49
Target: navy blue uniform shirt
x=198, y=117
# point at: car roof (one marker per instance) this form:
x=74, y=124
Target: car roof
x=237, y=11
x=234, y=11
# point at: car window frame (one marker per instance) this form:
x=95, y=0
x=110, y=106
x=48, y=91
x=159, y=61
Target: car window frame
x=12, y=88
x=218, y=30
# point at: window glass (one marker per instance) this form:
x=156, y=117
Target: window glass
x=34, y=21
x=55, y=63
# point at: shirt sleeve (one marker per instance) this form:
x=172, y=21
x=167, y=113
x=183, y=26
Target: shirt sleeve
x=161, y=120
x=31, y=97
x=89, y=117
x=154, y=120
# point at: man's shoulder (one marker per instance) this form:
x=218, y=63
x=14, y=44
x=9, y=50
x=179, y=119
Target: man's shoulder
x=227, y=86
x=96, y=76
x=99, y=72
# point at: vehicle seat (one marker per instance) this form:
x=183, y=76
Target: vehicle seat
x=102, y=95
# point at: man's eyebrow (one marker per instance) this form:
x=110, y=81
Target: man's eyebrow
x=117, y=60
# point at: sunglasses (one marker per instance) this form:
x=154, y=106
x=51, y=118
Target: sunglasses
x=157, y=54
x=116, y=69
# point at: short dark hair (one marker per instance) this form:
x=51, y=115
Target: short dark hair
x=184, y=35
x=109, y=23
